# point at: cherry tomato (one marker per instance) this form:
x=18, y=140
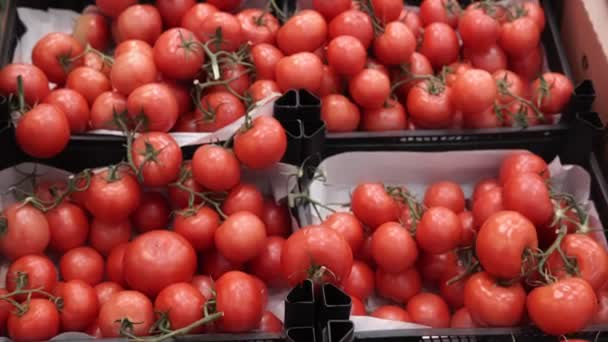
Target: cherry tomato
x=39, y=323
x=261, y=145
x=357, y=307
x=519, y=37
x=478, y=29
x=73, y=105
x=68, y=225
x=182, y=303
x=501, y=243
x=391, y=312
x=89, y=82
x=112, y=196
x=230, y=27
x=132, y=70
x=353, y=23
x=439, y=230
x=105, y=291
x=172, y=11
x=159, y=158
x=339, y=114
x=139, y=22
x=442, y=11
x=434, y=266
x=198, y=227
x=239, y=298
x=155, y=106
x=461, y=319
x=103, y=109
x=267, y=264
x=487, y=204
x=346, y=55
x=331, y=9
x=258, y=26
x=517, y=163
x=360, y=282
x=156, y=259
x=131, y=305
x=395, y=45
x=370, y=88
x=82, y=263
x=194, y=18
x=178, y=46
x=56, y=54
x=219, y=109
x=215, y=168
x=527, y=193
x=39, y=271
x=270, y=323
x=35, y=82
x=80, y=305
x=393, y=248
x=468, y=230
x=304, y=32
x=445, y=194
x=241, y=237
x=299, y=71
x=373, y=206
x=429, y=309
x=399, y=287
x=552, y=91
x=572, y=298
x=491, y=60
x=276, y=218
x=390, y=117
x=529, y=65
x=26, y=231
x=474, y=91
x=105, y=236
x=265, y=58
x=387, y=10
x=215, y=265
x=113, y=8
x=430, y=105
x=440, y=44
x=115, y=265
x=43, y=132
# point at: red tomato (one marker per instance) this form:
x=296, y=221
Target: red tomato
x=258, y=26
x=35, y=82
x=156, y=259
x=439, y=230
x=478, y=29
x=483, y=186
x=512, y=82
x=557, y=95
x=299, y=71
x=112, y=196
x=104, y=237
x=226, y=5
x=236, y=72
x=95, y=61
x=43, y=132
x=331, y=83
x=387, y=10
x=27, y=231
x=440, y=44
x=40, y=272
x=357, y=307
x=519, y=37
x=194, y=18
x=270, y=323
x=261, y=145
x=103, y=109
x=183, y=97
x=265, y=58
x=156, y=105
x=501, y=242
x=370, y=88
x=131, y=305
x=430, y=105
x=80, y=305
x=241, y=237
x=106, y=290
x=159, y=158
x=215, y=265
x=5, y=311
x=390, y=117
x=468, y=230
x=453, y=292
x=219, y=110
x=172, y=11
x=178, y=197
x=373, y=206
x=113, y=8
x=314, y=247
x=93, y=29
x=56, y=55
x=391, y=312
x=535, y=12
x=396, y=45
x=186, y=122
x=89, y=82
x=353, y=23
x=73, y=105
x=215, y=168
x=572, y=298
x=491, y=60
x=205, y=285
x=434, y=266
x=133, y=45
x=229, y=26
x=238, y=297
x=198, y=227
x=267, y=264
x=517, y=163
x=39, y=323
x=429, y=309
x=304, y=32
x=244, y=197
x=445, y=194
x=349, y=227
x=527, y=193
x=131, y=71
x=346, y=55
x=492, y=304
x=360, y=282
x=487, y=204
x=331, y=9
x=115, y=265
x=276, y=218
x=178, y=46
x=393, y=248
x=528, y=66
x=418, y=65
x=68, y=225
x=139, y=22
x=399, y=287
x=82, y=263
x=339, y=114
x=442, y=11
x=182, y=303
x=263, y=89
x=461, y=319
x=601, y=315
x=474, y=91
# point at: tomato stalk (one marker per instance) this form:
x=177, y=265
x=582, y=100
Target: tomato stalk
x=21, y=94
x=367, y=7
x=416, y=209
x=22, y=282
x=67, y=62
x=202, y=195
x=272, y=5
x=503, y=89
x=60, y=196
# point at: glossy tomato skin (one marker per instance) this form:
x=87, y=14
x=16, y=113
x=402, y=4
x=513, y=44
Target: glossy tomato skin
x=399, y=287
x=527, y=193
x=445, y=194
x=53, y=54
x=461, y=319
x=501, y=242
x=156, y=104
x=370, y=88
x=391, y=312
x=373, y=206
x=491, y=304
x=442, y=11
x=238, y=297
x=103, y=109
x=487, y=204
x=270, y=323
x=346, y=55
x=439, y=230
x=434, y=266
x=215, y=168
x=153, y=212
x=429, y=309
x=474, y=91
x=528, y=66
x=43, y=132
x=80, y=305
x=27, y=231
x=429, y=107
x=221, y=109
x=339, y=113
x=353, y=23
x=88, y=82
x=453, y=291
x=115, y=265
x=226, y=5
x=198, y=228
x=302, y=70
x=40, y=323
x=244, y=197
x=519, y=36
x=360, y=283
x=523, y=162
x=513, y=83
x=68, y=225
x=241, y=237
x=265, y=58
x=276, y=218
x=156, y=259
x=357, y=307
x=106, y=290
x=491, y=60
x=349, y=227
x=183, y=304
x=304, y=32
x=231, y=31
x=262, y=145
x=267, y=264
x=395, y=45
x=82, y=263
x=132, y=70
x=41, y=273
x=112, y=201
x=478, y=30
x=113, y=8
x=139, y=22
x=215, y=265
x=393, y=248
x=390, y=117
x=134, y=45
x=131, y=305
x=573, y=298
x=172, y=11
x=484, y=186
x=105, y=236
x=440, y=44
x=35, y=82
x=178, y=47
x=165, y=166
x=73, y=105
x=558, y=96
x=236, y=72
x=257, y=26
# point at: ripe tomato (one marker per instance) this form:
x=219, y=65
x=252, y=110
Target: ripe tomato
x=153, y=212
x=25, y=231
x=360, y=282
x=573, y=298
x=178, y=46
x=95, y=61
x=492, y=304
x=178, y=197
x=194, y=18
x=501, y=243
x=440, y=44
x=339, y=114
x=198, y=227
x=591, y=260
x=265, y=58
x=346, y=55
x=82, y=263
x=113, y=8
x=139, y=22
x=304, y=32
x=474, y=91
x=105, y=236
x=352, y=23
x=205, y=285
x=80, y=305
x=215, y=265
x=115, y=265
x=483, y=186
x=535, y=12
x=261, y=145
x=439, y=230
x=524, y=162
x=391, y=312
x=478, y=29
x=314, y=247
x=393, y=248
x=267, y=264
x=112, y=196
x=395, y=45
x=387, y=10
x=373, y=206
x=229, y=26
x=263, y=89
x=276, y=218
x=56, y=55
x=220, y=109
x=429, y=309
x=35, y=82
x=5, y=311
x=418, y=65
x=299, y=71
x=434, y=266
x=453, y=293
x=349, y=227
x=270, y=323
x=241, y=237
x=487, y=204
x=390, y=117
x=430, y=105
x=126, y=305
x=73, y=105
x=39, y=323
x=89, y=82
x=556, y=97
x=329, y=10
x=133, y=45
x=519, y=37
x=491, y=60
x=528, y=66
x=331, y=83
x=68, y=225
x=39, y=270
x=442, y=11
x=106, y=290
x=172, y=11
x=215, y=168
x=445, y=194
x=159, y=158
x=527, y=193
x=357, y=307
x=43, y=132
x=258, y=26
x=238, y=297
x=461, y=319
x=601, y=315
x=236, y=72
x=155, y=106
x=156, y=259
x=370, y=88
x=186, y=122
x=468, y=230
x=132, y=70
x=512, y=82
x=244, y=197
x=399, y=287
x=103, y=109
x=226, y=5
x=182, y=303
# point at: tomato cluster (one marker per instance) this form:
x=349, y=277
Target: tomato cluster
x=515, y=253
